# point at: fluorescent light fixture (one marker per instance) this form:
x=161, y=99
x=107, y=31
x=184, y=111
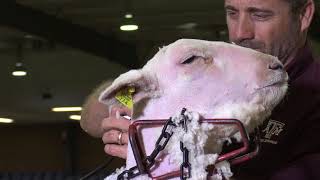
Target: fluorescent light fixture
x=75, y=117
x=129, y=27
x=19, y=73
x=66, y=109
x=128, y=16
x=19, y=70
x=6, y=120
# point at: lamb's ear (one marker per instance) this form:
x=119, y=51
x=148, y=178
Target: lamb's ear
x=143, y=83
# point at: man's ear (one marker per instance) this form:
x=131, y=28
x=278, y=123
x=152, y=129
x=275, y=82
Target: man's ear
x=306, y=15
x=143, y=83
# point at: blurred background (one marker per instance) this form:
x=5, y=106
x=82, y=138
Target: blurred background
x=60, y=50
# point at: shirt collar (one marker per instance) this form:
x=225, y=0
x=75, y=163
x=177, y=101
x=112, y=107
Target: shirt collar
x=300, y=63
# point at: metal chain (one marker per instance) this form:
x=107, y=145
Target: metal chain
x=185, y=167
x=161, y=143
x=184, y=120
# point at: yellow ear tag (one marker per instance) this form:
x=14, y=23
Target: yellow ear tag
x=125, y=97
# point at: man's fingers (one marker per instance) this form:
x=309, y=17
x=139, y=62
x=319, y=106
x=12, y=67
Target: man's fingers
x=112, y=136
x=119, y=111
x=116, y=150
x=112, y=127
x=121, y=124
x=116, y=119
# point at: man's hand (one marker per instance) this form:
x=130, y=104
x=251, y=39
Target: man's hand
x=115, y=143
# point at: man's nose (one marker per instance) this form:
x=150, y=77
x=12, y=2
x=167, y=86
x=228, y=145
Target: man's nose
x=245, y=29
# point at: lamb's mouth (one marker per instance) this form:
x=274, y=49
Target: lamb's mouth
x=274, y=84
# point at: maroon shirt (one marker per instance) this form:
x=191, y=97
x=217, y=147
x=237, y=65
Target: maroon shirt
x=290, y=147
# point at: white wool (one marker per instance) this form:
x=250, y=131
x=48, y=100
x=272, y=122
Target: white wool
x=251, y=114
x=223, y=171
x=195, y=140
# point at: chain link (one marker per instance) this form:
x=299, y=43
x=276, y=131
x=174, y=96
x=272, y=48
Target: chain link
x=129, y=174
x=161, y=143
x=184, y=120
x=185, y=167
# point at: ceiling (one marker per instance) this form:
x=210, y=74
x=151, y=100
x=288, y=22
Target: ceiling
x=70, y=46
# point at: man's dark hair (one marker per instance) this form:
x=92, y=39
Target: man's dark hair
x=297, y=6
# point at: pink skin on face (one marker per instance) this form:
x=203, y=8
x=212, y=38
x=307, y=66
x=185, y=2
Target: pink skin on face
x=201, y=76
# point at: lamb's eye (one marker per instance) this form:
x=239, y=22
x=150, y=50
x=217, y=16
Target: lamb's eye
x=190, y=60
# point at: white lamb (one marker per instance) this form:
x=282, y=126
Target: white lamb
x=211, y=80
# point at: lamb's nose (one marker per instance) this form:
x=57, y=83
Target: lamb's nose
x=275, y=66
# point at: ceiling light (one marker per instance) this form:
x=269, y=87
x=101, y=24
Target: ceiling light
x=128, y=15
x=128, y=23
x=190, y=25
x=66, y=109
x=75, y=117
x=129, y=27
x=6, y=120
x=28, y=36
x=19, y=70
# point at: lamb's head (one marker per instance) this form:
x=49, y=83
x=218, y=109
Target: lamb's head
x=216, y=79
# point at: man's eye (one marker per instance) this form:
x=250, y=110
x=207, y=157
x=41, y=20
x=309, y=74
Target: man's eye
x=231, y=14
x=190, y=60
x=261, y=16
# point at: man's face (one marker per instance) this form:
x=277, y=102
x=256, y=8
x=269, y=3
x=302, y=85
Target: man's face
x=267, y=26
